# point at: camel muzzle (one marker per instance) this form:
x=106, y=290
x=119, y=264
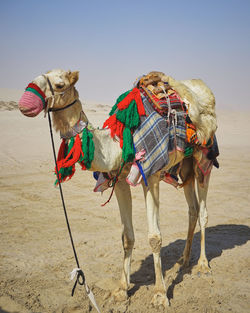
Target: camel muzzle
x=32, y=101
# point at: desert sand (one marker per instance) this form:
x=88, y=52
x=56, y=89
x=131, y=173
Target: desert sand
x=35, y=251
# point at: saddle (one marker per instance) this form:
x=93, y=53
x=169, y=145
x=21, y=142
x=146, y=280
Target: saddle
x=186, y=120
x=194, y=96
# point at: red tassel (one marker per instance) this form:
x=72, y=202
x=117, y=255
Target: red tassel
x=111, y=123
x=83, y=166
x=133, y=95
x=115, y=126
x=75, y=153
x=139, y=103
x=126, y=101
x=119, y=132
x=78, y=148
x=61, y=152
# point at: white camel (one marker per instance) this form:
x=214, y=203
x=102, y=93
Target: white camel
x=107, y=158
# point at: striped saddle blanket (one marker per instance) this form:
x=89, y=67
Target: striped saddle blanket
x=158, y=135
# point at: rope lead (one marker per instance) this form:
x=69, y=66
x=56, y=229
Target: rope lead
x=80, y=279
x=80, y=274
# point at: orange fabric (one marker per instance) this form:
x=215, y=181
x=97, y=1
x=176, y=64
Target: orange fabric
x=191, y=136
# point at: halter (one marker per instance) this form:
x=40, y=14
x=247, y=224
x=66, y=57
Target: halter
x=51, y=109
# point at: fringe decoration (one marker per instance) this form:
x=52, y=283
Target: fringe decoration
x=128, y=152
x=124, y=119
x=68, y=172
x=61, y=152
x=81, y=151
x=88, y=149
x=74, y=153
x=119, y=99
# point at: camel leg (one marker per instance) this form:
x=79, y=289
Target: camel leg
x=193, y=212
x=123, y=194
x=154, y=236
x=202, y=189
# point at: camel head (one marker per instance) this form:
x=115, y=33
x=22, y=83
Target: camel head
x=54, y=89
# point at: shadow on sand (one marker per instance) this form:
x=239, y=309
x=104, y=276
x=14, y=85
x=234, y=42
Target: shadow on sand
x=3, y=311
x=218, y=239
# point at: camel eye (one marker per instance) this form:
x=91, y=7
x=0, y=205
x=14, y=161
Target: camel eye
x=59, y=86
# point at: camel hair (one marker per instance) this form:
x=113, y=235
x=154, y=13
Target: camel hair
x=108, y=158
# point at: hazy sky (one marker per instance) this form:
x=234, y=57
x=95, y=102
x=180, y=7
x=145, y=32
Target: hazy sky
x=111, y=43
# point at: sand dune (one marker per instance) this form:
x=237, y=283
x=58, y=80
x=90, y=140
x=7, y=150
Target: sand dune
x=35, y=253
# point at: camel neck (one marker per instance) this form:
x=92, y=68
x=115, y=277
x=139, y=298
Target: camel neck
x=64, y=120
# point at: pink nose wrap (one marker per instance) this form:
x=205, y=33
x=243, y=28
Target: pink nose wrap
x=32, y=101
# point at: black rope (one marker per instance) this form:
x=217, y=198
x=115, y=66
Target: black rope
x=60, y=109
x=80, y=275
x=80, y=279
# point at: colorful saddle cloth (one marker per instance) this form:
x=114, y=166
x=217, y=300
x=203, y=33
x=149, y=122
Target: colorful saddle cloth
x=152, y=129
x=158, y=137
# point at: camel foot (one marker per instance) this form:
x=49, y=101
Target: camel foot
x=160, y=299
x=120, y=295
x=203, y=267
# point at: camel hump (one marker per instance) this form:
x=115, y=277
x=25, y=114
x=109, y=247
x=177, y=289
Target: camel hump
x=195, y=93
x=201, y=103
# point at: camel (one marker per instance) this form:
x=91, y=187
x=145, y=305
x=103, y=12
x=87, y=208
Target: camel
x=59, y=89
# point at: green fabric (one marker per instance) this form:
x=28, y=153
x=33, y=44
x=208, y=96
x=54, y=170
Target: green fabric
x=128, y=151
x=131, y=120
x=88, y=148
x=129, y=117
x=119, y=99
x=188, y=151
x=36, y=93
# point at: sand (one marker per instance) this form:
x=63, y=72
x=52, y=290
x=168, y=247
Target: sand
x=35, y=252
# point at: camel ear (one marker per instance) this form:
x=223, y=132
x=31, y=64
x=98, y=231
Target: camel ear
x=73, y=77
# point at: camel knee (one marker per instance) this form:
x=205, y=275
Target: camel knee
x=193, y=212
x=128, y=242
x=155, y=242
